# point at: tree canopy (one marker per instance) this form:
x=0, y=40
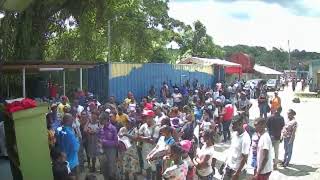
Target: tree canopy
x=276, y=58
x=140, y=30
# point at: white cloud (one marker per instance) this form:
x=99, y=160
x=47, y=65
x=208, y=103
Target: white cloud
x=266, y=24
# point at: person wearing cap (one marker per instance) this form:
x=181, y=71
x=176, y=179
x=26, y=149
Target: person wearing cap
x=148, y=135
x=238, y=151
x=288, y=133
x=130, y=159
x=275, y=124
x=275, y=102
x=61, y=106
x=264, y=165
x=186, y=146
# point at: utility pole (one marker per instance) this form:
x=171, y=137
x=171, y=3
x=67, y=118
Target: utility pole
x=109, y=41
x=289, y=56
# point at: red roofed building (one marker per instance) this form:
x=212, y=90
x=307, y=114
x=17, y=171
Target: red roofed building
x=246, y=62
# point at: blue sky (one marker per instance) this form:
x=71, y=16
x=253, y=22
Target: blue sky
x=267, y=23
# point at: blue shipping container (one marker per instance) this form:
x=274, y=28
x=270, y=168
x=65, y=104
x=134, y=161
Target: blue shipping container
x=138, y=78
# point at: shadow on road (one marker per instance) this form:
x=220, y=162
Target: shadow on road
x=297, y=170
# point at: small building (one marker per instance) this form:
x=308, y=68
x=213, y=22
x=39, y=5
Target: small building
x=220, y=66
x=251, y=70
x=247, y=62
x=314, y=74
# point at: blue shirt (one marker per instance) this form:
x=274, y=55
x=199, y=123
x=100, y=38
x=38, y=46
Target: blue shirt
x=197, y=113
x=68, y=143
x=169, y=141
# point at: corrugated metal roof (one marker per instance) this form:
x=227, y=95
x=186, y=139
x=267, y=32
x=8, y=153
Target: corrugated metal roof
x=266, y=70
x=208, y=62
x=12, y=65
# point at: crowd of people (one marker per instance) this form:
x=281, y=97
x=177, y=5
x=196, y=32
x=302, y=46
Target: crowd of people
x=170, y=136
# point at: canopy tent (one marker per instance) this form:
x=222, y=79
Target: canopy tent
x=266, y=70
x=208, y=62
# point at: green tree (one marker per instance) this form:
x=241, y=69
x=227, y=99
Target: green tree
x=196, y=42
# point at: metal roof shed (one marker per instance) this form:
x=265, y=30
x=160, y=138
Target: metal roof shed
x=236, y=68
x=13, y=66
x=208, y=62
x=266, y=70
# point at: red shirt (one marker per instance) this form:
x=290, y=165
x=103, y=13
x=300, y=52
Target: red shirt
x=53, y=91
x=229, y=111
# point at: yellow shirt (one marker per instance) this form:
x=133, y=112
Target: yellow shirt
x=61, y=107
x=122, y=119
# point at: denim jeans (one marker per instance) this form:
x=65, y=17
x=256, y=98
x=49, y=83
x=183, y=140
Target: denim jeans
x=263, y=110
x=275, y=144
x=287, y=150
x=226, y=130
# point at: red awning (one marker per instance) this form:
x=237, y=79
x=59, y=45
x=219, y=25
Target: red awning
x=233, y=70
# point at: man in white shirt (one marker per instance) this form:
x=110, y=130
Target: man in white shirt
x=159, y=115
x=148, y=135
x=264, y=151
x=238, y=151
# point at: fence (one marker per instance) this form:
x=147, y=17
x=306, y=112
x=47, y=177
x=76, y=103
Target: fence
x=117, y=79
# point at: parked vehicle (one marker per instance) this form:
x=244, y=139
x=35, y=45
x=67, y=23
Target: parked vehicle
x=252, y=83
x=273, y=85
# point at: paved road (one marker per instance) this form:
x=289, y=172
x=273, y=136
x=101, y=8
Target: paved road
x=305, y=163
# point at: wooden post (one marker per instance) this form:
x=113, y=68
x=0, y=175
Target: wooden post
x=80, y=78
x=24, y=82
x=64, y=82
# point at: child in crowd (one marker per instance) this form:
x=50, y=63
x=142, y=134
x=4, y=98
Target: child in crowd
x=60, y=166
x=178, y=169
x=92, y=129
